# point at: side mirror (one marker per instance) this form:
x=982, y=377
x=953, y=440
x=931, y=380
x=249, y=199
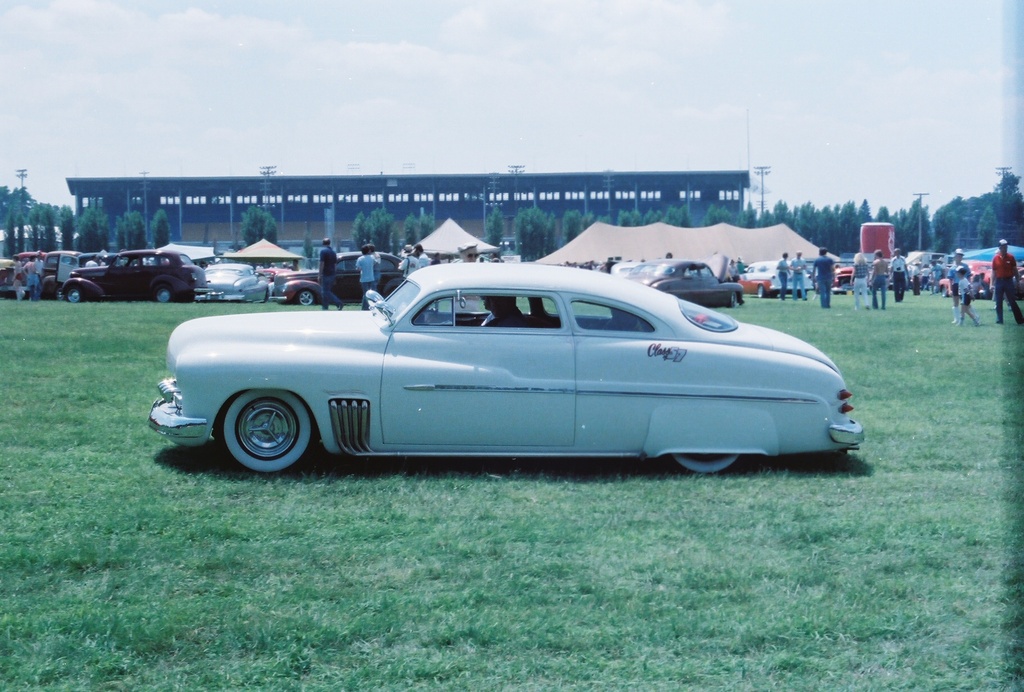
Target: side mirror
x=377, y=302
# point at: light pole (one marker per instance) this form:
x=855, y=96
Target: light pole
x=920, y=219
x=515, y=170
x=266, y=172
x=22, y=173
x=145, y=203
x=762, y=171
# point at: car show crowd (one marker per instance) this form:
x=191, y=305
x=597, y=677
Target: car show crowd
x=348, y=277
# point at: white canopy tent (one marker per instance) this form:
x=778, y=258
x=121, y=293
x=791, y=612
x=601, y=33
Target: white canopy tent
x=193, y=252
x=602, y=241
x=449, y=237
x=263, y=251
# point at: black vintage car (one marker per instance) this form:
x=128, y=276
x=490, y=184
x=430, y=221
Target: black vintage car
x=688, y=279
x=137, y=275
x=303, y=288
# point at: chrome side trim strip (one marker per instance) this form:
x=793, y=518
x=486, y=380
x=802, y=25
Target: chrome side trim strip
x=486, y=389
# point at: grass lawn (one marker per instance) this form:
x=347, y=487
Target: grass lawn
x=127, y=563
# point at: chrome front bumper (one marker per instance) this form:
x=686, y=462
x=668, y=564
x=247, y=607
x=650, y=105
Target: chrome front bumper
x=165, y=416
x=851, y=434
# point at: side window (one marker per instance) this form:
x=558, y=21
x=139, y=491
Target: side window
x=597, y=317
x=439, y=313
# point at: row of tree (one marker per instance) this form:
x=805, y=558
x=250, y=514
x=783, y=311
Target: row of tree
x=975, y=222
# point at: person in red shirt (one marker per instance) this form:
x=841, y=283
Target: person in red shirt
x=1004, y=272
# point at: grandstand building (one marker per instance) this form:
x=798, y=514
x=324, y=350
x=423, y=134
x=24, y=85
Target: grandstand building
x=208, y=210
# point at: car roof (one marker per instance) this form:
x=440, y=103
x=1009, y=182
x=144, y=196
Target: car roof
x=515, y=276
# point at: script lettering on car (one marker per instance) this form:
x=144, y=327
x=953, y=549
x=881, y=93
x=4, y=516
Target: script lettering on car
x=668, y=353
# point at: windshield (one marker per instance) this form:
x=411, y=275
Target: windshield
x=401, y=297
x=707, y=319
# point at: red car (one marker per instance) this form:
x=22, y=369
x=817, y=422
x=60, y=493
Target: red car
x=982, y=267
x=138, y=275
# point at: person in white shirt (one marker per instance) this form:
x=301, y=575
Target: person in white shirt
x=799, y=268
x=414, y=259
x=898, y=269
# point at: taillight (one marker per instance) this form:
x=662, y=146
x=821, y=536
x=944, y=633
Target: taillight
x=845, y=407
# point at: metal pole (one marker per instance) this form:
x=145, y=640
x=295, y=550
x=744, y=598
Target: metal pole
x=920, y=219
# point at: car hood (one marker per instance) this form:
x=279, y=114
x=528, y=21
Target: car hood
x=88, y=272
x=264, y=333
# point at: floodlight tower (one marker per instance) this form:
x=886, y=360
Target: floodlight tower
x=762, y=171
x=266, y=172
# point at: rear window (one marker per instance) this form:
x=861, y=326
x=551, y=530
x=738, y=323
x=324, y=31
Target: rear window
x=705, y=318
x=605, y=318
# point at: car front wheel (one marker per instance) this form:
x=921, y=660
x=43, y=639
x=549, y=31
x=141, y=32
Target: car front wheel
x=74, y=295
x=306, y=297
x=267, y=431
x=705, y=463
x=760, y=291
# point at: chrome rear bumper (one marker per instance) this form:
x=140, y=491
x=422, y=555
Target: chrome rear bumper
x=851, y=434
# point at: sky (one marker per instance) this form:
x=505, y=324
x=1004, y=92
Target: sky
x=845, y=101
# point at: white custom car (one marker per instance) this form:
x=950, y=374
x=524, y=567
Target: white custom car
x=239, y=282
x=503, y=360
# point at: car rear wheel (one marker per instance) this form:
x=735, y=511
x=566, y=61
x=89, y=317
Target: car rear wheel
x=760, y=291
x=733, y=302
x=267, y=431
x=74, y=295
x=162, y=294
x=307, y=297
x=705, y=463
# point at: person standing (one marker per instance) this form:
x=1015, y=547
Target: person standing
x=1004, y=273
x=413, y=260
x=898, y=268
x=937, y=272
x=328, y=272
x=40, y=273
x=20, y=279
x=32, y=278
x=365, y=265
x=782, y=270
x=914, y=269
x=799, y=269
x=954, y=285
x=966, y=297
x=879, y=279
x=376, y=266
x=860, y=281
x=824, y=267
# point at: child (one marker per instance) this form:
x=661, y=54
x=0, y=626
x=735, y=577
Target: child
x=966, y=298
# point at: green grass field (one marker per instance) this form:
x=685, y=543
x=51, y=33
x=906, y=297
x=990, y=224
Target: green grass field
x=127, y=563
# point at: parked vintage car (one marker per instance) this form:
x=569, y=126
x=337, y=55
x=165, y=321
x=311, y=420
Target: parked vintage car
x=303, y=288
x=138, y=275
x=688, y=279
x=58, y=265
x=229, y=281
x=614, y=369
x=761, y=279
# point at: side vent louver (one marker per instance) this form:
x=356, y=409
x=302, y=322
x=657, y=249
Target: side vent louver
x=350, y=419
